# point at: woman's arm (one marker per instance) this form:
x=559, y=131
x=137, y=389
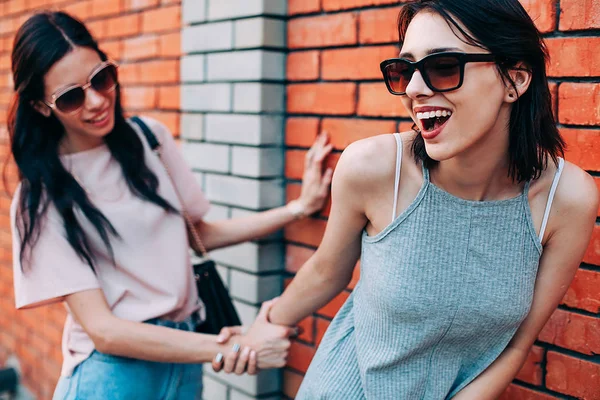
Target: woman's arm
x=329, y=270
x=575, y=208
x=315, y=189
x=116, y=336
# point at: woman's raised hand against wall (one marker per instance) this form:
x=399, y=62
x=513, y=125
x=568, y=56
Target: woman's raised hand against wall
x=264, y=345
x=315, y=182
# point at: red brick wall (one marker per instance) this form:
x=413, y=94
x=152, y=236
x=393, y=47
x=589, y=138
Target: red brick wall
x=143, y=36
x=335, y=85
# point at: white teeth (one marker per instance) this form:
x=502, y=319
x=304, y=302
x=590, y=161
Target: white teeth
x=433, y=114
x=100, y=118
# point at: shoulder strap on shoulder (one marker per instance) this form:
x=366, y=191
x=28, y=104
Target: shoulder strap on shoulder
x=561, y=164
x=397, y=176
x=150, y=136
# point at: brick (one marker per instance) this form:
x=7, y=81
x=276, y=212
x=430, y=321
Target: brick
x=355, y=64
x=334, y=5
x=579, y=103
x=170, y=119
x=161, y=19
x=583, y=292
x=244, y=129
x=573, y=376
x=122, y=26
x=301, y=132
x=574, y=56
x=140, y=47
x=207, y=156
x=344, y=131
x=256, y=162
x=303, y=66
x=543, y=13
x=213, y=389
x=307, y=231
x=139, y=97
x=322, y=31
x=193, y=10
x=514, y=392
x=592, y=254
x=250, y=257
x=170, y=45
x=300, y=356
x=291, y=383
x=265, y=382
x=258, y=194
x=331, y=309
x=294, y=168
x=206, y=97
x=303, y=7
x=113, y=49
x=531, y=372
x=572, y=331
x=98, y=29
x=375, y=100
x=169, y=97
x=80, y=10
x=322, y=98
x=103, y=8
x=259, y=32
x=244, y=8
x=140, y=4
x=579, y=15
x=378, y=26
x=295, y=257
x=253, y=288
x=208, y=37
x=129, y=73
x=583, y=147
x=258, y=97
x=258, y=65
x=161, y=71
x=193, y=68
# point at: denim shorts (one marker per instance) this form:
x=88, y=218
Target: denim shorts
x=107, y=377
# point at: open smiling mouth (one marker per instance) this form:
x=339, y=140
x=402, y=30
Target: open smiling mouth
x=431, y=120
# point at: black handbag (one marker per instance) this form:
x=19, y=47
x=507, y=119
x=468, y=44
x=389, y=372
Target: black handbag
x=219, y=308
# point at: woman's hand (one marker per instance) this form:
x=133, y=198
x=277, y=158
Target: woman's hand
x=315, y=183
x=265, y=345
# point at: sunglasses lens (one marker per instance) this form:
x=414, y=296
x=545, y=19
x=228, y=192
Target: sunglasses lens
x=70, y=100
x=443, y=72
x=105, y=80
x=398, y=75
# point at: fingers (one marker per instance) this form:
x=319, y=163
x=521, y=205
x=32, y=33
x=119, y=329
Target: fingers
x=229, y=331
x=217, y=362
x=324, y=152
x=231, y=359
x=252, y=364
x=326, y=181
x=242, y=361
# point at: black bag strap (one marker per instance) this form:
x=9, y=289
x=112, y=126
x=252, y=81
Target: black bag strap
x=150, y=136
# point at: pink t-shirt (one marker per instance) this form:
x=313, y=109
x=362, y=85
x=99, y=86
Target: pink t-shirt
x=152, y=276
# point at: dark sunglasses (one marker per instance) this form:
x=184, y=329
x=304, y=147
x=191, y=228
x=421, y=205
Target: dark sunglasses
x=70, y=99
x=442, y=72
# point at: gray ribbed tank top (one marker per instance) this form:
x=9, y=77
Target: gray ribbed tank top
x=442, y=291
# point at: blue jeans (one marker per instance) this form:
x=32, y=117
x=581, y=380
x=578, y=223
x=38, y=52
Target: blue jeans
x=108, y=377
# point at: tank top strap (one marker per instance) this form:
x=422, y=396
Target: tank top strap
x=397, y=176
x=557, y=174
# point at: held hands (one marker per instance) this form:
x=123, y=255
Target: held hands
x=264, y=345
x=315, y=182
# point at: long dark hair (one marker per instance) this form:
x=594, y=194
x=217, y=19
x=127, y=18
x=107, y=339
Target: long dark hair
x=505, y=29
x=40, y=42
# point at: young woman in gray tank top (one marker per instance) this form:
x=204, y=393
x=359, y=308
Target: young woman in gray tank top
x=467, y=234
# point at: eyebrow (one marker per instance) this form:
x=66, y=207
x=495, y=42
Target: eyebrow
x=432, y=51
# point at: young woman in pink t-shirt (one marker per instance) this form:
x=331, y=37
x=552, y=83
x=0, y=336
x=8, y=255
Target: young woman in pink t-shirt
x=96, y=225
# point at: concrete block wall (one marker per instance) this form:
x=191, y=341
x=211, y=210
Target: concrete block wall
x=232, y=123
